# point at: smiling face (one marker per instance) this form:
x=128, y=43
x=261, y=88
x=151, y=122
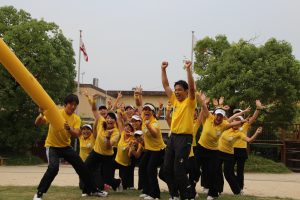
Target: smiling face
x=147, y=113
x=103, y=112
x=110, y=122
x=180, y=93
x=128, y=129
x=218, y=119
x=137, y=124
x=70, y=108
x=86, y=132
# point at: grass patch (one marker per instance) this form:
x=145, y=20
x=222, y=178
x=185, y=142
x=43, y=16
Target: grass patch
x=27, y=159
x=262, y=165
x=73, y=193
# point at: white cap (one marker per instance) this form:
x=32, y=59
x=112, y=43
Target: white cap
x=136, y=117
x=88, y=126
x=220, y=111
x=138, y=132
x=236, y=111
x=129, y=106
x=149, y=106
x=240, y=118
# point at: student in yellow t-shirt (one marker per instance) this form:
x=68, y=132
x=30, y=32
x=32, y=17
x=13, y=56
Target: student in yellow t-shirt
x=240, y=146
x=58, y=146
x=179, y=144
x=153, y=155
x=86, y=144
x=106, y=136
x=226, y=155
x=86, y=141
x=122, y=159
x=213, y=127
x=137, y=123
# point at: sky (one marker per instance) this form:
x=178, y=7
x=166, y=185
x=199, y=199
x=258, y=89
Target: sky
x=126, y=40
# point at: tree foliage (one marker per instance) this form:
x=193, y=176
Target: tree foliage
x=48, y=55
x=243, y=72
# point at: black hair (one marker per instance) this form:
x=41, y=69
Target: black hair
x=71, y=98
x=112, y=115
x=183, y=84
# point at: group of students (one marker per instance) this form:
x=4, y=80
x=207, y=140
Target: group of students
x=123, y=137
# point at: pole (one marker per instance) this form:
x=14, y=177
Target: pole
x=78, y=81
x=192, y=52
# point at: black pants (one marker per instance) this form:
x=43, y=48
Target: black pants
x=240, y=157
x=133, y=162
x=209, y=160
x=192, y=172
x=149, y=163
x=176, y=156
x=96, y=160
x=68, y=154
x=124, y=174
x=228, y=160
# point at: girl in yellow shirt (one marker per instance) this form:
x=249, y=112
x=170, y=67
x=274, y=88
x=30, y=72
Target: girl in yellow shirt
x=226, y=155
x=106, y=136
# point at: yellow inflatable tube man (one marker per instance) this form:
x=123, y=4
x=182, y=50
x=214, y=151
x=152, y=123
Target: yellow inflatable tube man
x=31, y=86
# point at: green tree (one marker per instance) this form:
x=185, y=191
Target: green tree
x=243, y=72
x=48, y=55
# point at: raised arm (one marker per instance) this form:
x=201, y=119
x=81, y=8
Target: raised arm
x=160, y=109
x=257, y=132
x=190, y=79
x=164, y=79
x=259, y=107
x=201, y=98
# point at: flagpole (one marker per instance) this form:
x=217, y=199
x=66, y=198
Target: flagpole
x=192, y=53
x=78, y=75
x=78, y=82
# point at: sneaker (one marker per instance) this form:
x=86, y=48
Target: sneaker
x=37, y=198
x=120, y=187
x=210, y=198
x=242, y=192
x=205, y=190
x=100, y=194
x=150, y=198
x=131, y=188
x=84, y=194
x=143, y=195
x=174, y=198
x=106, y=187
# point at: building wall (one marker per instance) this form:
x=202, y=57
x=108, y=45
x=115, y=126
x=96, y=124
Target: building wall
x=84, y=109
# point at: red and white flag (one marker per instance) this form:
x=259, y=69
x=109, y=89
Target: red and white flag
x=82, y=48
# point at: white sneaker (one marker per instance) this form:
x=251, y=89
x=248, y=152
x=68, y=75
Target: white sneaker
x=150, y=198
x=36, y=198
x=131, y=188
x=100, y=194
x=174, y=198
x=205, y=190
x=120, y=187
x=242, y=192
x=143, y=195
x=84, y=194
x=210, y=198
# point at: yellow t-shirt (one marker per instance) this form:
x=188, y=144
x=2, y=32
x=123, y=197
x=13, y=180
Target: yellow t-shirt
x=122, y=151
x=86, y=146
x=101, y=141
x=101, y=120
x=211, y=133
x=195, y=127
x=182, y=117
x=151, y=143
x=62, y=138
x=228, y=138
x=241, y=143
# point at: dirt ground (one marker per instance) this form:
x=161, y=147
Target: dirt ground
x=266, y=185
